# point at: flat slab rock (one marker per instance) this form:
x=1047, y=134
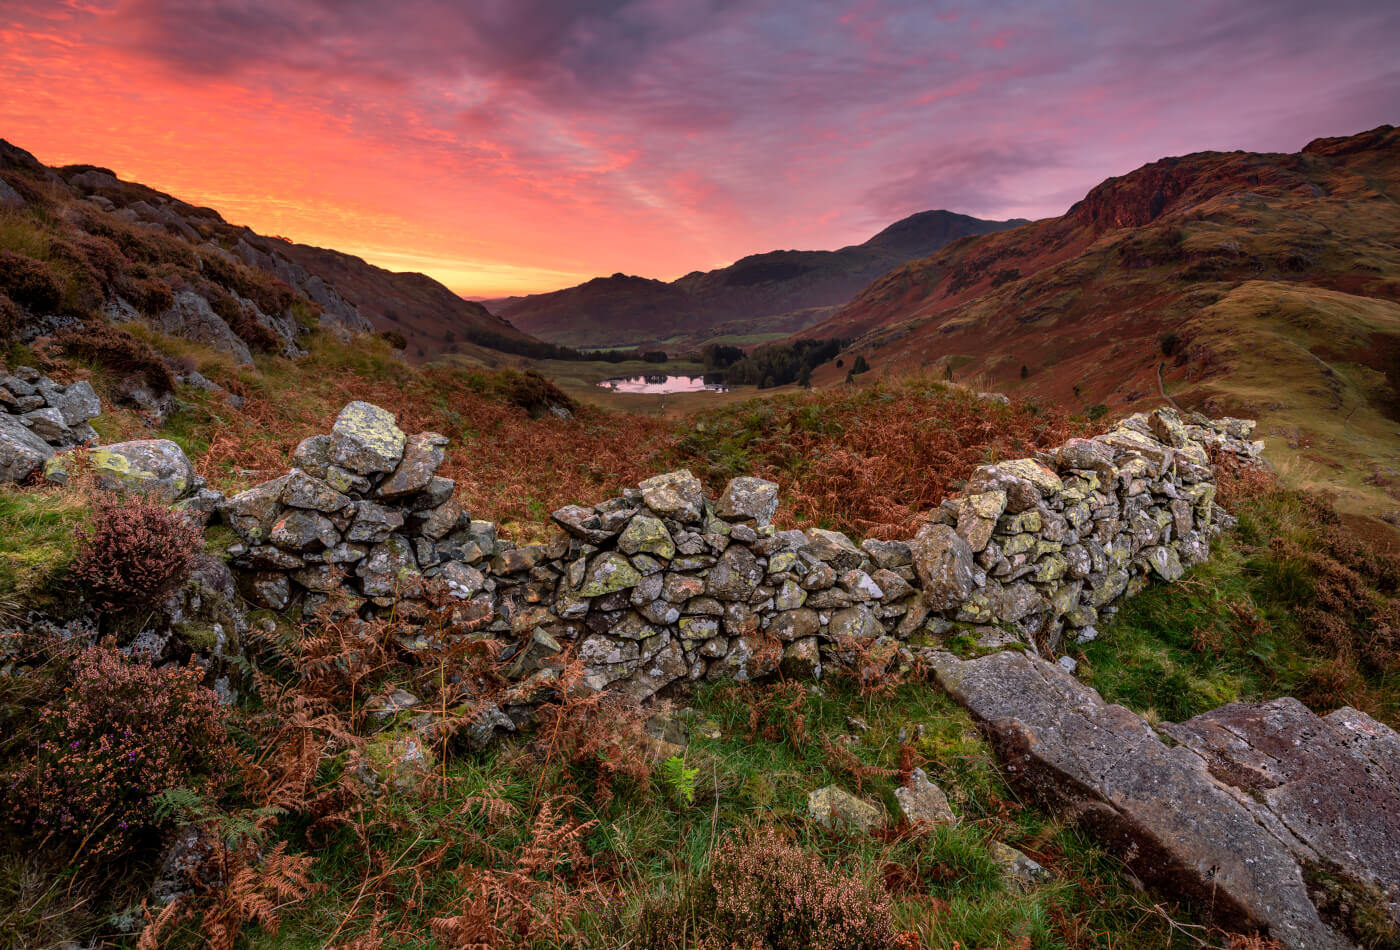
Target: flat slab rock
x=1259, y=814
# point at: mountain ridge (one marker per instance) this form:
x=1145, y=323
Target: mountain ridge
x=773, y=292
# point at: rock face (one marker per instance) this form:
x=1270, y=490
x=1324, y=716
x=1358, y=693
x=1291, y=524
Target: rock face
x=1267, y=816
x=191, y=317
x=37, y=416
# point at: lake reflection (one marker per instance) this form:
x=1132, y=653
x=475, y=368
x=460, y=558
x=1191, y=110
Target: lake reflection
x=663, y=383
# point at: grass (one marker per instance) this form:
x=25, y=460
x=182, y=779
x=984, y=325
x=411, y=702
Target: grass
x=647, y=845
x=36, y=540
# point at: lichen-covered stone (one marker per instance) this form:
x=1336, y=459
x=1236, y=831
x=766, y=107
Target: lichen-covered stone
x=835, y=808
x=834, y=548
x=154, y=467
x=303, y=490
x=647, y=535
x=607, y=574
x=366, y=440
x=677, y=495
x=390, y=570
x=302, y=531
x=944, y=564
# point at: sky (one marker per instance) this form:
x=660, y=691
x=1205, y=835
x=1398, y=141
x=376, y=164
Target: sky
x=512, y=146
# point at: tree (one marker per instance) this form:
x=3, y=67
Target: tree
x=804, y=379
x=860, y=365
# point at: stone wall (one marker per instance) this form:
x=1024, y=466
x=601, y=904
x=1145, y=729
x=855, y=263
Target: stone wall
x=666, y=584
x=37, y=416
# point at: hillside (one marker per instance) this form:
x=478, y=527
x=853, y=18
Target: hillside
x=431, y=318
x=1268, y=285
x=104, y=233
x=772, y=294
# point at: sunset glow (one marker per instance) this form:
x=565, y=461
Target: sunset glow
x=508, y=146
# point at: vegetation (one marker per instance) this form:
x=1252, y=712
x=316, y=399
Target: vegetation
x=1291, y=603
x=134, y=553
x=781, y=364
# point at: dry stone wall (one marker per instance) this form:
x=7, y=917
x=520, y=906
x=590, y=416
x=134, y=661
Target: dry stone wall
x=37, y=416
x=665, y=583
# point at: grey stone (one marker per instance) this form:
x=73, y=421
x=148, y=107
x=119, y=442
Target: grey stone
x=191, y=317
x=373, y=522
x=735, y=576
x=251, y=513
x=22, y=453
x=422, y=456
x=1108, y=769
x=301, y=531
x=366, y=440
x=155, y=467
x=833, y=548
x=677, y=495
x=78, y=403
x=944, y=564
x=390, y=570
x=748, y=499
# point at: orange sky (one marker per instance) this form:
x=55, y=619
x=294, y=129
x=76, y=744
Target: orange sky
x=514, y=147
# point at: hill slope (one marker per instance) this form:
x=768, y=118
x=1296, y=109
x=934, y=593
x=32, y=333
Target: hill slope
x=350, y=293
x=773, y=293
x=1268, y=285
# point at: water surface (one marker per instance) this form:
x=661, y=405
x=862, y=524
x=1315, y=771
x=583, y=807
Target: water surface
x=664, y=383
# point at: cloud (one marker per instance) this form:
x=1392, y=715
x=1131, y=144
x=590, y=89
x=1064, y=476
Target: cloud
x=660, y=136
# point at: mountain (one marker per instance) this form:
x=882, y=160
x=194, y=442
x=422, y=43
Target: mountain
x=1261, y=285
x=776, y=293
x=83, y=206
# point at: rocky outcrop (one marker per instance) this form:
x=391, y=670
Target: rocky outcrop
x=191, y=317
x=37, y=416
x=1268, y=817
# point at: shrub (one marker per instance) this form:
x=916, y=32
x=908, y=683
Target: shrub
x=258, y=337
x=151, y=295
x=119, y=735
x=762, y=891
x=29, y=283
x=10, y=317
x=136, y=552
x=119, y=352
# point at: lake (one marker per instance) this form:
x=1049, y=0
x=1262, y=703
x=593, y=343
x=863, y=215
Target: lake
x=663, y=383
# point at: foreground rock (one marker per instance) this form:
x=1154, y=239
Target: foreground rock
x=1267, y=817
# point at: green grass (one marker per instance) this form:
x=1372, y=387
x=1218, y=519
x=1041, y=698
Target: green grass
x=36, y=540
x=655, y=845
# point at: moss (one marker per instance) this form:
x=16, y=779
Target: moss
x=1357, y=908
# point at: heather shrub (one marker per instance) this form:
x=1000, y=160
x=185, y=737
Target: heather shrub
x=29, y=283
x=120, y=352
x=9, y=317
x=258, y=337
x=134, y=553
x=763, y=891
x=151, y=295
x=120, y=734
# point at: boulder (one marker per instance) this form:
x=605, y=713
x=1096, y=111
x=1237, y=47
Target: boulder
x=837, y=809
x=366, y=440
x=943, y=561
x=155, y=467
x=22, y=453
x=191, y=318
x=1162, y=807
x=922, y=802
